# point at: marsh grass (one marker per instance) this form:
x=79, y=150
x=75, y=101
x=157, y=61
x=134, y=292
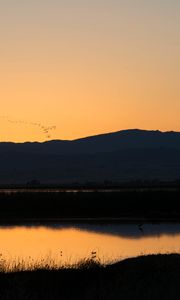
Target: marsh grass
x=55, y=263
x=145, y=277
x=48, y=263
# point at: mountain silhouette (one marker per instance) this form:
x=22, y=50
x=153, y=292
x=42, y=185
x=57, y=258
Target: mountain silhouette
x=120, y=156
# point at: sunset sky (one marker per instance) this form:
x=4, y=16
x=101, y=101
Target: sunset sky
x=88, y=67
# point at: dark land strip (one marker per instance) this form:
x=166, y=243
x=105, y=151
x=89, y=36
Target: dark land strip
x=147, y=277
x=117, y=206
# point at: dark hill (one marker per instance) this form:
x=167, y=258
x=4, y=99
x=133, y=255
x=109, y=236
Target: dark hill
x=124, y=155
x=124, y=139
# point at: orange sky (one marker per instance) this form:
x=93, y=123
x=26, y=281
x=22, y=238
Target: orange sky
x=88, y=67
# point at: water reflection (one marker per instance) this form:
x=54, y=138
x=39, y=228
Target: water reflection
x=69, y=243
x=134, y=230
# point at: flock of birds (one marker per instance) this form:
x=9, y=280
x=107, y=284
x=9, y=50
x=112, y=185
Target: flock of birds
x=46, y=130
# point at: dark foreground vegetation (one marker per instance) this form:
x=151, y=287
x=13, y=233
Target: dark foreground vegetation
x=151, y=277
x=146, y=204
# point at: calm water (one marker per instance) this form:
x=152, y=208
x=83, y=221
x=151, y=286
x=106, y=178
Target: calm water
x=69, y=243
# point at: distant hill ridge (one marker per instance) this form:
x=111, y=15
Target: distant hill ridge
x=125, y=139
x=124, y=155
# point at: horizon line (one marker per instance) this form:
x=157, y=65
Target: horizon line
x=90, y=136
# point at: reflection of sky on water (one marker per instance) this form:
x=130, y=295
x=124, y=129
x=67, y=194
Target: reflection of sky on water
x=77, y=241
x=122, y=230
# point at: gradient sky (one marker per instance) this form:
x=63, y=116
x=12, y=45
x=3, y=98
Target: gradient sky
x=88, y=67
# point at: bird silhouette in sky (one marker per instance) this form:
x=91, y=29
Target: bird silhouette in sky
x=44, y=129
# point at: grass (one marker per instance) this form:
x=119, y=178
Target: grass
x=145, y=277
x=47, y=263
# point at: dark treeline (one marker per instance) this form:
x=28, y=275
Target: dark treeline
x=106, y=184
x=131, y=204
